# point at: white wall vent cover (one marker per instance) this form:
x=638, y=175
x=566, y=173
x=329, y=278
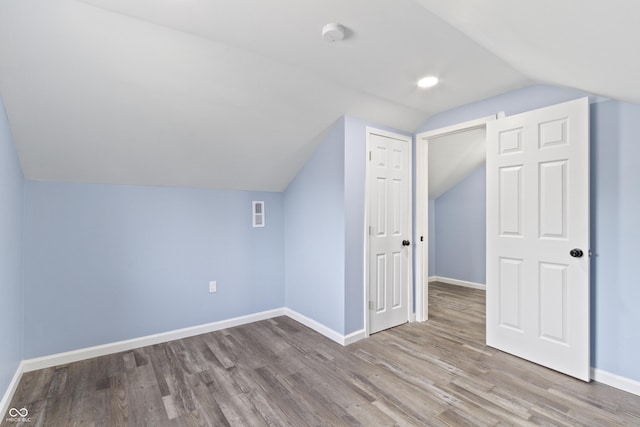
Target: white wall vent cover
x=258, y=214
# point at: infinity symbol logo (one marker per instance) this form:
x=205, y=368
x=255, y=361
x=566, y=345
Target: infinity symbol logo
x=13, y=412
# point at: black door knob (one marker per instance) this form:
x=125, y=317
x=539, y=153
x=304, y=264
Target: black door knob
x=406, y=243
x=576, y=253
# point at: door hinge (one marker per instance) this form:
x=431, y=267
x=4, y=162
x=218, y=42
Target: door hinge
x=370, y=305
x=369, y=155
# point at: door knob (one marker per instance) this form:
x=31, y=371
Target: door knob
x=576, y=253
x=406, y=243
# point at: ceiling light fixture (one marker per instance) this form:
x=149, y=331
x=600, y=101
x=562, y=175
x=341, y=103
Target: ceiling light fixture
x=333, y=32
x=426, y=82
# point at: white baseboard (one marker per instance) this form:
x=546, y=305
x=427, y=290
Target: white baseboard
x=323, y=330
x=353, y=337
x=457, y=282
x=622, y=383
x=604, y=377
x=116, y=347
x=8, y=394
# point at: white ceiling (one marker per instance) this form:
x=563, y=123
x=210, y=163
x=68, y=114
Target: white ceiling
x=590, y=45
x=236, y=94
x=452, y=157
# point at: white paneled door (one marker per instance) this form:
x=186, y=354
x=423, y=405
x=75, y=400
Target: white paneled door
x=389, y=219
x=538, y=236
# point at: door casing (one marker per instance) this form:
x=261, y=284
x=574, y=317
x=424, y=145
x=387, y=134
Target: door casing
x=422, y=213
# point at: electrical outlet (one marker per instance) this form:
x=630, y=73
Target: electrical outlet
x=213, y=287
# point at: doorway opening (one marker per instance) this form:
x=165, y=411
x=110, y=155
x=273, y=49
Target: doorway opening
x=450, y=197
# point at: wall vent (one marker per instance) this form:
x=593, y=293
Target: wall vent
x=258, y=214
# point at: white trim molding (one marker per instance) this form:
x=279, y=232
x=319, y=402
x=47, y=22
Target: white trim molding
x=116, y=347
x=458, y=127
x=119, y=346
x=421, y=201
x=323, y=330
x=353, y=337
x=11, y=390
x=457, y=282
x=617, y=381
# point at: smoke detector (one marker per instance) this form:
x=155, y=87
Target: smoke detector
x=333, y=32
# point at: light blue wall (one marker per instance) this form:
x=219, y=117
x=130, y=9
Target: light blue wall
x=605, y=206
x=105, y=263
x=355, y=181
x=628, y=287
x=615, y=209
x=325, y=234
x=314, y=209
x=460, y=236
x=11, y=226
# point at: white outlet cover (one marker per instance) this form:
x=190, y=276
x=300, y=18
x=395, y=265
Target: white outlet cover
x=212, y=286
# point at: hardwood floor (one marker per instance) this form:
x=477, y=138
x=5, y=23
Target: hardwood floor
x=278, y=372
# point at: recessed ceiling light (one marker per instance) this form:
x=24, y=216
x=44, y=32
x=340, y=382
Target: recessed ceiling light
x=426, y=82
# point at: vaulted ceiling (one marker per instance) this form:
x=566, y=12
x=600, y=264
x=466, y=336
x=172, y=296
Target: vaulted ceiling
x=236, y=94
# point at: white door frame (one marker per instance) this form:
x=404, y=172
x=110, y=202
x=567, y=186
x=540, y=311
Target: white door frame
x=409, y=139
x=422, y=199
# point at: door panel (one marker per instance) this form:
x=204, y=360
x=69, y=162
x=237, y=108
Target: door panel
x=537, y=211
x=510, y=293
x=389, y=213
x=511, y=201
x=552, y=284
x=553, y=199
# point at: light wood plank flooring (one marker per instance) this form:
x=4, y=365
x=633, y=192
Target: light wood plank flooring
x=278, y=372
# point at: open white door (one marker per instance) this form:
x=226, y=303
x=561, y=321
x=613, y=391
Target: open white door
x=538, y=236
x=389, y=224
